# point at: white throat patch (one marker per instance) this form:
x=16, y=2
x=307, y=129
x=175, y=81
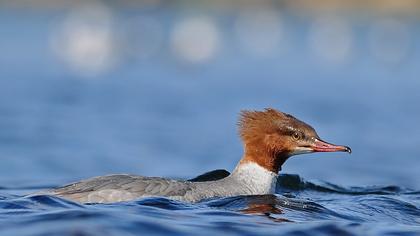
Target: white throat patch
x=256, y=178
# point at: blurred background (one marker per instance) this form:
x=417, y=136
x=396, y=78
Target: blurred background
x=154, y=87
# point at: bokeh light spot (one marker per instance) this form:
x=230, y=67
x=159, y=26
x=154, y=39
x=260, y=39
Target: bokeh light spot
x=85, y=41
x=389, y=40
x=260, y=32
x=330, y=39
x=195, y=39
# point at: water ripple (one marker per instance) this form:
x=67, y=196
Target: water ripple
x=300, y=208
x=296, y=183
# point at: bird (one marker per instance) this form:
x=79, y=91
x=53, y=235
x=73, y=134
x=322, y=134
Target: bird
x=269, y=136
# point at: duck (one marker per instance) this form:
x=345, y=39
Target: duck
x=270, y=137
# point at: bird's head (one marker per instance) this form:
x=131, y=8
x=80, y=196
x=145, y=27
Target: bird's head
x=271, y=137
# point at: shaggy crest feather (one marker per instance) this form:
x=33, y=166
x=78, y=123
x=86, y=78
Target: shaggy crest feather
x=253, y=124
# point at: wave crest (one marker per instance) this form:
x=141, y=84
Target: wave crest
x=291, y=182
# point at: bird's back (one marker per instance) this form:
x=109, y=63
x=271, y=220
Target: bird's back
x=121, y=187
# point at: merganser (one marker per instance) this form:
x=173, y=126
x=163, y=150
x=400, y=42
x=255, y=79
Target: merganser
x=270, y=137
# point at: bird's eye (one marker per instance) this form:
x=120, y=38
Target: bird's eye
x=296, y=136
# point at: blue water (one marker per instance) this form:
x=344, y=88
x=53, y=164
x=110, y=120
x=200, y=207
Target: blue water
x=300, y=208
x=162, y=117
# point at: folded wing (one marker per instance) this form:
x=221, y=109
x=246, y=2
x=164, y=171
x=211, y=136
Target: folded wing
x=115, y=188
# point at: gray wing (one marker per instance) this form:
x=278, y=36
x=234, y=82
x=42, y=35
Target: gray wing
x=115, y=188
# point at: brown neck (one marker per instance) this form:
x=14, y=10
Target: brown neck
x=272, y=161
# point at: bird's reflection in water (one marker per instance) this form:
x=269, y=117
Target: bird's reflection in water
x=265, y=205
